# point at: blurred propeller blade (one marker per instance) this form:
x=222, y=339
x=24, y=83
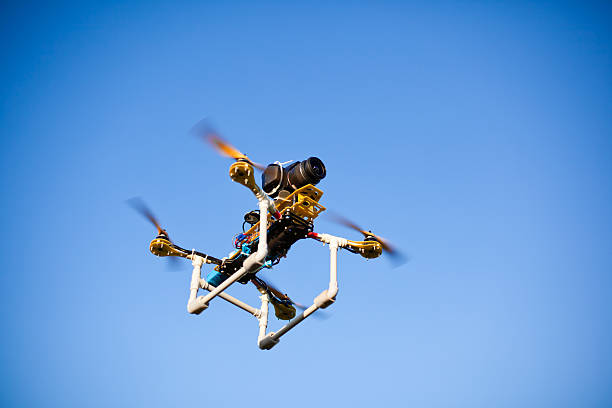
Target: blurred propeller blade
x=347, y=223
x=139, y=205
x=398, y=257
x=224, y=147
x=205, y=130
x=273, y=290
x=284, y=296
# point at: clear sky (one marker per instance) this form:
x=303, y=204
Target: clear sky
x=477, y=136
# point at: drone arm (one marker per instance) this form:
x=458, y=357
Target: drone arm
x=367, y=249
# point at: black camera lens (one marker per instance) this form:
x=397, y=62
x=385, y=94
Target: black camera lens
x=317, y=167
x=276, y=179
x=310, y=171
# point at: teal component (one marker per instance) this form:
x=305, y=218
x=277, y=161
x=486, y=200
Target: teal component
x=215, y=278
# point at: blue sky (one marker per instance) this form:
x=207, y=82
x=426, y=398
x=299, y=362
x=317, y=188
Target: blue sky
x=476, y=136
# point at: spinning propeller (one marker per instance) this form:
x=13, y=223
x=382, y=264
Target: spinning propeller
x=280, y=295
x=205, y=130
x=258, y=282
x=397, y=256
x=139, y=205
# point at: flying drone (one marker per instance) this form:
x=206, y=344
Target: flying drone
x=288, y=205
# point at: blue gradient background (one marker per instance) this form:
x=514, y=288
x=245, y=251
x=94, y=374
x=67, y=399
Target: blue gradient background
x=477, y=136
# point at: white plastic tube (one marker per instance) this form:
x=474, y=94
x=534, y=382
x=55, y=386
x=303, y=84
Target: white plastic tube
x=332, y=291
x=254, y=261
x=263, y=318
x=324, y=299
x=248, y=308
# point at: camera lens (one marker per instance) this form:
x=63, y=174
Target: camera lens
x=276, y=179
x=316, y=167
x=310, y=171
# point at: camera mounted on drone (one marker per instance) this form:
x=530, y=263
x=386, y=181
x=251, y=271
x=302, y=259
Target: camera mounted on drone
x=278, y=180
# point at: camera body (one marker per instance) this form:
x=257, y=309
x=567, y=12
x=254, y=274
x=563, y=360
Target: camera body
x=276, y=178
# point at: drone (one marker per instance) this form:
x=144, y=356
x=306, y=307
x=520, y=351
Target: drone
x=288, y=204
